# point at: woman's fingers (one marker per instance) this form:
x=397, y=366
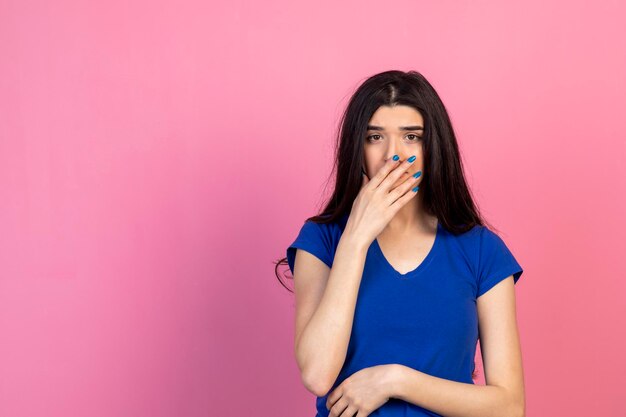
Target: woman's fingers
x=405, y=191
x=393, y=176
x=383, y=172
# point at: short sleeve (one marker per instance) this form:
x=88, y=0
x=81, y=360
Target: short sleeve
x=496, y=262
x=315, y=239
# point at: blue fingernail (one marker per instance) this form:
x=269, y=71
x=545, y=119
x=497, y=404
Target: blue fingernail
x=417, y=174
x=411, y=159
x=396, y=157
x=416, y=188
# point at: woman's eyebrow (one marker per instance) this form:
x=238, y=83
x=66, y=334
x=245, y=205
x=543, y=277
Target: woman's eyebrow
x=371, y=127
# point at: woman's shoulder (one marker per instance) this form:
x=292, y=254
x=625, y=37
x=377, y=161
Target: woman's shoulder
x=323, y=224
x=467, y=241
x=475, y=241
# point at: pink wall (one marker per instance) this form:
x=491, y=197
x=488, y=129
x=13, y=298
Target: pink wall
x=156, y=157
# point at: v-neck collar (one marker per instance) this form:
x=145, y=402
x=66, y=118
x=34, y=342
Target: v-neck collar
x=417, y=269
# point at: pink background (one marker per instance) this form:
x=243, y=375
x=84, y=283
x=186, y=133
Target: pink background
x=156, y=157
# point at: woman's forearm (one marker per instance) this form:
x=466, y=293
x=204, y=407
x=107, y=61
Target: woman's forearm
x=451, y=398
x=323, y=345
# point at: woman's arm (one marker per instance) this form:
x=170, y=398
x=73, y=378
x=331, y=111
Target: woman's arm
x=503, y=396
x=452, y=398
x=322, y=347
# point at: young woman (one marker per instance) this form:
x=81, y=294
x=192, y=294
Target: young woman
x=398, y=277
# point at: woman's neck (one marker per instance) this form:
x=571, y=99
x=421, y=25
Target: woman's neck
x=411, y=218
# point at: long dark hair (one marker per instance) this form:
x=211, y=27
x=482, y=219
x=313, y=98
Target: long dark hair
x=444, y=190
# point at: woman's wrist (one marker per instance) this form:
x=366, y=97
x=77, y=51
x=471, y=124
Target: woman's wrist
x=397, y=381
x=354, y=242
x=394, y=380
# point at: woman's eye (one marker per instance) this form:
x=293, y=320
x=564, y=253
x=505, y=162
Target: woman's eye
x=416, y=137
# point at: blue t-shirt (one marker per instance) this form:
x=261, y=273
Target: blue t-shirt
x=425, y=319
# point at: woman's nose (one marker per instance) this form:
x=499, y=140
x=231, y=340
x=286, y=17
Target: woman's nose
x=401, y=156
x=391, y=151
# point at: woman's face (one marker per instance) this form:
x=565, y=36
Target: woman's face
x=393, y=131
